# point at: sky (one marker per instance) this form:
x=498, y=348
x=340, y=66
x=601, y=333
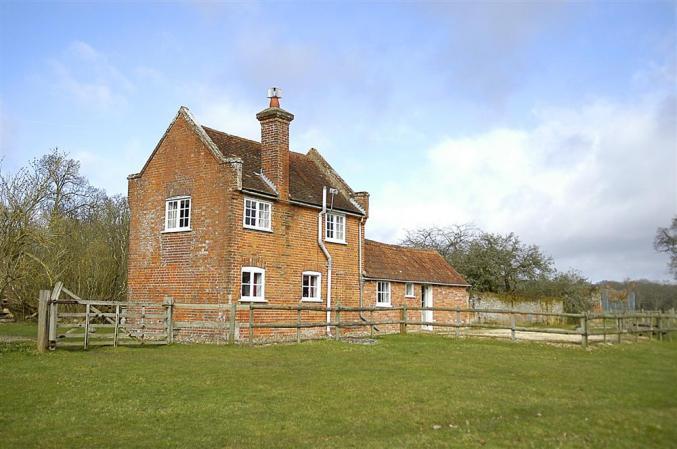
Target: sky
x=556, y=121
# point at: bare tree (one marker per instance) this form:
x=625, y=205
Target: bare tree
x=666, y=242
x=21, y=197
x=56, y=226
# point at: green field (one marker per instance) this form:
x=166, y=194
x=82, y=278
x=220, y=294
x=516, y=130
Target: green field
x=405, y=391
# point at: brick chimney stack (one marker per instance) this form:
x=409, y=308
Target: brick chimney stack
x=275, y=142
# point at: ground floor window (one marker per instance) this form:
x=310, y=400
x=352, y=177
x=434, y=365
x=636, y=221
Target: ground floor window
x=310, y=286
x=383, y=294
x=253, y=284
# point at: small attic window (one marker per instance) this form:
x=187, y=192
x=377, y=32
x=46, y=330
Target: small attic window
x=335, y=228
x=409, y=290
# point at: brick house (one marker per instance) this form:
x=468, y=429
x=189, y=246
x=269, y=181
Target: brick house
x=217, y=218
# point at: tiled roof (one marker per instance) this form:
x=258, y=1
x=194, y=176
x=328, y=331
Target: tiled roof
x=306, y=174
x=400, y=263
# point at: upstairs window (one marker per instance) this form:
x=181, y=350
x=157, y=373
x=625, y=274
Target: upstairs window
x=257, y=214
x=177, y=214
x=335, y=228
x=409, y=290
x=383, y=294
x=253, y=284
x=310, y=288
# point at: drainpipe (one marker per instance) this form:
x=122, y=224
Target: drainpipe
x=359, y=263
x=320, y=241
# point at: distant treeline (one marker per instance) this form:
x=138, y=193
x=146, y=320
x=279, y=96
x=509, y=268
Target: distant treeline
x=501, y=263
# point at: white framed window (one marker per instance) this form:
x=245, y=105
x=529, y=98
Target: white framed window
x=311, y=286
x=383, y=294
x=257, y=214
x=335, y=228
x=177, y=214
x=253, y=284
x=409, y=290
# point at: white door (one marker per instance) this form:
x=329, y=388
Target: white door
x=427, y=301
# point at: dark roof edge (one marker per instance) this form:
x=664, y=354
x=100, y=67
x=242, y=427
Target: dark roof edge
x=259, y=193
x=407, y=248
x=414, y=281
x=316, y=206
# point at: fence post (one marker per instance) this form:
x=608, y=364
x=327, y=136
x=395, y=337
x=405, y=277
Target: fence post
x=338, y=324
x=143, y=324
x=604, y=327
x=86, y=342
x=231, y=331
x=251, y=324
x=43, y=316
x=53, y=317
x=298, y=324
x=457, y=328
x=403, y=319
x=169, y=304
x=584, y=330
x=117, y=326
x=512, y=326
x=619, y=328
x=659, y=323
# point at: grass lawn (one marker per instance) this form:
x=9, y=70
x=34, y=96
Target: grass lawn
x=19, y=329
x=406, y=391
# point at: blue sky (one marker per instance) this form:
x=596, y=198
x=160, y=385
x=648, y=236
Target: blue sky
x=557, y=121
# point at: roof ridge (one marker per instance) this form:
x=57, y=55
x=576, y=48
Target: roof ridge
x=427, y=250
x=244, y=138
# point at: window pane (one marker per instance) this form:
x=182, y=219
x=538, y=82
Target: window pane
x=171, y=214
x=330, y=226
x=306, y=292
x=258, y=285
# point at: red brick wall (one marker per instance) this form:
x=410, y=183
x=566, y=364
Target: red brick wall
x=289, y=250
x=185, y=265
x=443, y=296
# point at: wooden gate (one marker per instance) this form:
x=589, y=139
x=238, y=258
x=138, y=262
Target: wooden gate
x=75, y=322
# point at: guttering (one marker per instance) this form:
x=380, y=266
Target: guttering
x=320, y=242
x=260, y=194
x=315, y=206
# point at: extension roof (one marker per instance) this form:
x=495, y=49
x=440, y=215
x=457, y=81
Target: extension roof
x=308, y=173
x=400, y=263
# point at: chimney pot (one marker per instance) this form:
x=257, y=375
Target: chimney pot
x=274, y=93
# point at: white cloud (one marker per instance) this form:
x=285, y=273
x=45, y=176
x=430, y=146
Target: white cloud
x=590, y=185
x=87, y=75
x=228, y=115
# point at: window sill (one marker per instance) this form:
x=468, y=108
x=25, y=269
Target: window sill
x=385, y=306
x=173, y=231
x=252, y=228
x=410, y=296
x=311, y=300
x=255, y=300
x=340, y=242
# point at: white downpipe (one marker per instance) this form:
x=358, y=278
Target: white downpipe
x=320, y=241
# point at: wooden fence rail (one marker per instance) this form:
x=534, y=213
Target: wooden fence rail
x=96, y=322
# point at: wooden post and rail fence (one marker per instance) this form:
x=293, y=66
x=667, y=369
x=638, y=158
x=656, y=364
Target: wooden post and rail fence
x=85, y=323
